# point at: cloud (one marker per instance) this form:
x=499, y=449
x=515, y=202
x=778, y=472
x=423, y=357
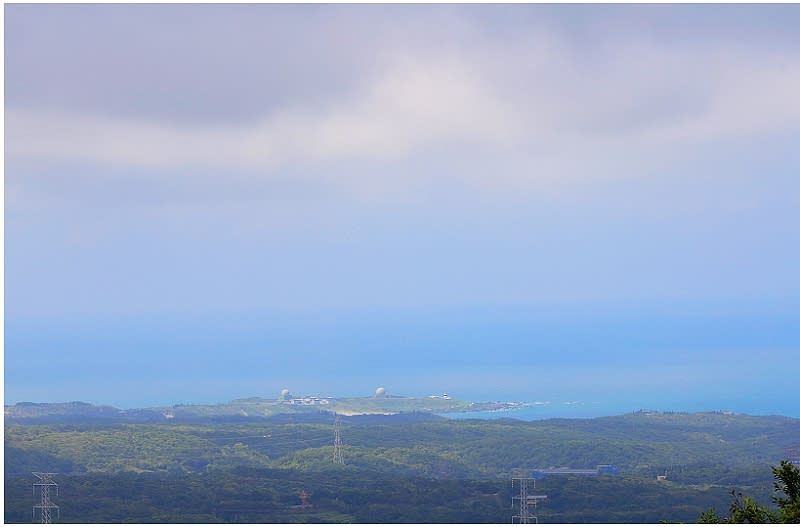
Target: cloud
x=540, y=106
x=411, y=105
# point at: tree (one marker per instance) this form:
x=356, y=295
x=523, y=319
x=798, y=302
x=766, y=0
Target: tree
x=787, y=477
x=745, y=509
x=711, y=516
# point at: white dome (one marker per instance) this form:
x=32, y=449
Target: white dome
x=380, y=391
x=284, y=392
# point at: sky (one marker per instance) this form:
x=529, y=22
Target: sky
x=593, y=203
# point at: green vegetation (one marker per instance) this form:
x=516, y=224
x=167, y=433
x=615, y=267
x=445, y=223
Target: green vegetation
x=350, y=495
x=252, y=408
x=695, y=449
x=402, y=468
x=744, y=509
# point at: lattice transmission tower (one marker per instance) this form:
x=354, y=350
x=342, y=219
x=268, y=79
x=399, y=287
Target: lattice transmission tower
x=46, y=506
x=525, y=501
x=338, y=459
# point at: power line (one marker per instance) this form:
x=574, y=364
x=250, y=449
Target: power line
x=46, y=506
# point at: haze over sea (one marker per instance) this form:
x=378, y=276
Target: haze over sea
x=608, y=362
x=502, y=202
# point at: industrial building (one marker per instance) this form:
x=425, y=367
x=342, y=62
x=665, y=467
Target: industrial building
x=539, y=473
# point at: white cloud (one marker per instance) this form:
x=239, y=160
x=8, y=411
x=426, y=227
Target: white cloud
x=411, y=106
x=533, y=98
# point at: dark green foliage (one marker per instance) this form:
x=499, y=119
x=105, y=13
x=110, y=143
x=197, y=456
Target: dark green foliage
x=18, y=462
x=787, y=482
x=397, y=469
x=250, y=495
x=744, y=509
x=695, y=449
x=710, y=516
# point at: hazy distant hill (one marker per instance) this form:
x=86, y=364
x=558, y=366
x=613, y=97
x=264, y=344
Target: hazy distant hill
x=254, y=408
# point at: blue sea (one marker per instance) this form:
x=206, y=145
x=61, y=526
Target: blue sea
x=583, y=365
x=588, y=410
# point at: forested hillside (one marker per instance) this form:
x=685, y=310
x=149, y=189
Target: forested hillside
x=353, y=495
x=397, y=469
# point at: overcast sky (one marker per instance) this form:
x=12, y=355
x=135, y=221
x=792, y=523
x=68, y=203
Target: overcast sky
x=399, y=182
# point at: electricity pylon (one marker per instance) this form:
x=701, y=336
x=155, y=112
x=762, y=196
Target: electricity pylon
x=525, y=500
x=46, y=506
x=338, y=459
